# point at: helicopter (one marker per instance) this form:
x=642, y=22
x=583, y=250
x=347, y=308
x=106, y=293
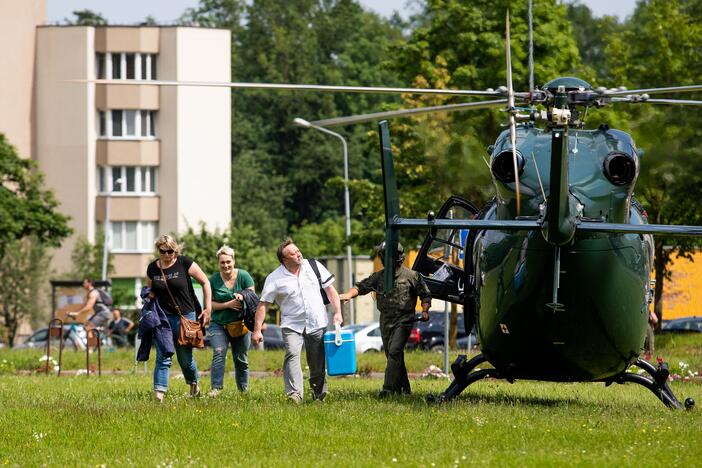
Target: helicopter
x=556, y=269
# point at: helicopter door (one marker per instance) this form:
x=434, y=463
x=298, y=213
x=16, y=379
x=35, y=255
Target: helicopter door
x=441, y=258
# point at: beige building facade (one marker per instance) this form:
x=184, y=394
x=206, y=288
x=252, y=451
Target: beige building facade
x=134, y=159
x=18, y=21
x=138, y=159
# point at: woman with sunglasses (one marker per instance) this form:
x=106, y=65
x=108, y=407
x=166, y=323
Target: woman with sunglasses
x=177, y=269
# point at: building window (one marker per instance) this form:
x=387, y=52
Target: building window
x=116, y=63
x=131, y=124
x=134, y=180
x=130, y=58
x=132, y=236
x=125, y=66
x=100, y=66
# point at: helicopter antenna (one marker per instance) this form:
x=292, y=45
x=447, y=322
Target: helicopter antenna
x=511, y=110
x=531, y=49
x=538, y=175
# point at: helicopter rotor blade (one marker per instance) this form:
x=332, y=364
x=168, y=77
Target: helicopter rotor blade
x=298, y=87
x=512, y=110
x=531, y=47
x=672, y=89
x=680, y=102
x=356, y=119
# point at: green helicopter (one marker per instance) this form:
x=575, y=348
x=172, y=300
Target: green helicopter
x=556, y=269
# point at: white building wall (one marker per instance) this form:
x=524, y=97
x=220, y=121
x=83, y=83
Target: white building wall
x=65, y=127
x=195, y=127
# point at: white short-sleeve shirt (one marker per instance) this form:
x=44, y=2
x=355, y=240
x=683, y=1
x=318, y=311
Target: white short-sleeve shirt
x=299, y=299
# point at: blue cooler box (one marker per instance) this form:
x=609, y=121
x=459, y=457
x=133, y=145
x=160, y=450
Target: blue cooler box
x=340, y=352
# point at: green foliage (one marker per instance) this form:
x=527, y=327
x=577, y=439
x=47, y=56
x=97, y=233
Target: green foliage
x=86, y=258
x=26, y=209
x=326, y=238
x=657, y=47
x=23, y=267
x=253, y=253
x=87, y=18
x=280, y=173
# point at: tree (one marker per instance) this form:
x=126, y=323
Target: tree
x=280, y=173
x=23, y=268
x=253, y=253
x=86, y=258
x=30, y=223
x=26, y=209
x=658, y=47
x=87, y=18
x=460, y=45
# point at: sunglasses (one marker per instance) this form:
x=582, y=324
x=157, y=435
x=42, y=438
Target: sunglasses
x=164, y=252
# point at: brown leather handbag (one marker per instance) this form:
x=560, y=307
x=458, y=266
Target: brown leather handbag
x=190, y=332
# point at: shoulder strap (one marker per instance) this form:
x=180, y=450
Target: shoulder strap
x=313, y=264
x=175, y=304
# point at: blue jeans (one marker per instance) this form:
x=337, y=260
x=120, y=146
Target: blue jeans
x=184, y=355
x=220, y=341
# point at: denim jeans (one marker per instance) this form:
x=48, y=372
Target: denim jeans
x=220, y=341
x=184, y=355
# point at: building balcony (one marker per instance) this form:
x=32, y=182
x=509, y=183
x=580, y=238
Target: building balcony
x=128, y=153
x=128, y=208
x=131, y=96
x=130, y=265
x=132, y=39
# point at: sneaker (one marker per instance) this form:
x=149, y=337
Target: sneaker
x=194, y=390
x=214, y=392
x=158, y=396
x=320, y=397
x=295, y=398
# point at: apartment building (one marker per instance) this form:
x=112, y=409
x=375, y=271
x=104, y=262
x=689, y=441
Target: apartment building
x=135, y=159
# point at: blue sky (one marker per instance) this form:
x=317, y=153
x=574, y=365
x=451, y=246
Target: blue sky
x=166, y=11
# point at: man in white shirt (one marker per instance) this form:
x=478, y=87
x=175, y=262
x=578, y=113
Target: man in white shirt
x=303, y=317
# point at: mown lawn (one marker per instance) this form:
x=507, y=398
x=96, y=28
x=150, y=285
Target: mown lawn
x=111, y=421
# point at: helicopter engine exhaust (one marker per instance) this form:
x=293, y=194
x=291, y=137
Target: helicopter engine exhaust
x=502, y=166
x=619, y=168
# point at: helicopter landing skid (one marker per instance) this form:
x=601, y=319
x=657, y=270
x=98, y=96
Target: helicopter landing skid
x=463, y=376
x=657, y=383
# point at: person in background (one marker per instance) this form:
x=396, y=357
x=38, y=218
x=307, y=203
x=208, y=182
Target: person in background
x=303, y=318
x=227, y=324
x=118, y=328
x=101, y=313
x=397, y=315
x=176, y=270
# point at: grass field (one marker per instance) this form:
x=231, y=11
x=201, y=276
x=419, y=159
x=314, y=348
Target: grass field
x=111, y=420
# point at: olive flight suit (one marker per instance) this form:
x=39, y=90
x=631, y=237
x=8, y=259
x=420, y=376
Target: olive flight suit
x=397, y=312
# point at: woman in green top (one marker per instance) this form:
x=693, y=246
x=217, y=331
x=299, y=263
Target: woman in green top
x=226, y=325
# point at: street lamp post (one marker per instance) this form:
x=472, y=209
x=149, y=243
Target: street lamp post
x=347, y=205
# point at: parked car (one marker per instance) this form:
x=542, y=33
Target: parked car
x=367, y=337
x=683, y=325
x=74, y=336
x=429, y=335
x=273, y=337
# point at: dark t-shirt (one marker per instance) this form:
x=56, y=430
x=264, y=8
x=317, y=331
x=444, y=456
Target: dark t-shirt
x=120, y=327
x=178, y=278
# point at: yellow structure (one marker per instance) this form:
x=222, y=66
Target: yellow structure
x=682, y=295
